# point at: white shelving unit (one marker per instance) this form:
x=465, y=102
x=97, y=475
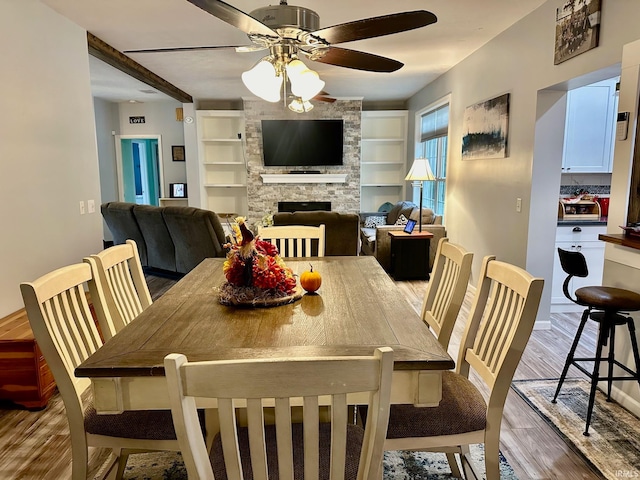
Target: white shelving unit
x=383, y=158
x=223, y=170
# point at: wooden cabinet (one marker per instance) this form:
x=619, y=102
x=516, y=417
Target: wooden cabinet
x=383, y=158
x=590, y=128
x=25, y=377
x=585, y=240
x=410, y=255
x=222, y=166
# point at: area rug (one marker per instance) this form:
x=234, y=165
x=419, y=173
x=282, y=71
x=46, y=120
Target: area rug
x=397, y=466
x=613, y=448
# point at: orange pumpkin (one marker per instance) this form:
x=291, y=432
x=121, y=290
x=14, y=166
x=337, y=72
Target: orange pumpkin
x=310, y=280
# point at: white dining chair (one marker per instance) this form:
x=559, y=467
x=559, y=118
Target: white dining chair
x=65, y=330
x=446, y=289
x=125, y=289
x=499, y=325
x=295, y=240
x=332, y=450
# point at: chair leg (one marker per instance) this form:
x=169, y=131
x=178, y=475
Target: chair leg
x=122, y=463
x=634, y=346
x=611, y=359
x=79, y=458
x=602, y=340
x=572, y=351
x=453, y=465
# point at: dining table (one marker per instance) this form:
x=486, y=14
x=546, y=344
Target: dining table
x=357, y=308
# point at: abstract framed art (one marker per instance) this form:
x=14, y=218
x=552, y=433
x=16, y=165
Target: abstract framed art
x=485, y=128
x=577, y=28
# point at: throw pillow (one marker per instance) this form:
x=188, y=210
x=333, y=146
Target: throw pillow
x=374, y=221
x=402, y=220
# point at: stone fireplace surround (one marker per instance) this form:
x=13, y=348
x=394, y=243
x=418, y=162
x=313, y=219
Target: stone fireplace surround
x=263, y=197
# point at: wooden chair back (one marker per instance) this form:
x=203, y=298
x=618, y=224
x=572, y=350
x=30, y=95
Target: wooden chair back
x=295, y=240
x=499, y=326
x=281, y=382
x=65, y=330
x=125, y=288
x=446, y=289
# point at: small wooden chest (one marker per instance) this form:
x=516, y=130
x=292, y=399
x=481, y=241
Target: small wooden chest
x=25, y=377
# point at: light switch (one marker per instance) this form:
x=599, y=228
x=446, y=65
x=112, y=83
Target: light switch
x=518, y=205
x=81, y=207
x=91, y=206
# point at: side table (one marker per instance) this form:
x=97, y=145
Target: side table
x=410, y=255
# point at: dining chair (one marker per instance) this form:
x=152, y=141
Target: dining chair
x=295, y=240
x=64, y=328
x=125, y=289
x=310, y=449
x=497, y=330
x=446, y=289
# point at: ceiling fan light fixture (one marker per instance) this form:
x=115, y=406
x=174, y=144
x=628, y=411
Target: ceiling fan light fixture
x=300, y=106
x=305, y=83
x=263, y=80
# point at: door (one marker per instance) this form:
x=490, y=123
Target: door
x=139, y=166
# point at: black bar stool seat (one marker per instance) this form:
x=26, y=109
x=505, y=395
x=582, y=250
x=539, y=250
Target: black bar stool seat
x=608, y=307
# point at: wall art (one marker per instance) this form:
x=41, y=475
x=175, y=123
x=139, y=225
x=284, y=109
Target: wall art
x=577, y=28
x=485, y=128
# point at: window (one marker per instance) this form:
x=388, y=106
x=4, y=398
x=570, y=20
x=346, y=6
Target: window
x=432, y=145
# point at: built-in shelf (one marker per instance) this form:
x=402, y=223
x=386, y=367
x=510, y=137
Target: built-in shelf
x=305, y=178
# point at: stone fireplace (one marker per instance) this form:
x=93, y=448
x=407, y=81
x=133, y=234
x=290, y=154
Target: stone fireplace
x=339, y=185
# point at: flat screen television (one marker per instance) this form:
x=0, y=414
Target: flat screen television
x=302, y=143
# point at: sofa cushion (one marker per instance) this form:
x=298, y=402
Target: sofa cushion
x=374, y=220
x=161, y=251
x=341, y=229
x=123, y=225
x=400, y=208
x=197, y=234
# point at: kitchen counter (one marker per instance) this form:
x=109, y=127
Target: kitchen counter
x=602, y=221
x=621, y=239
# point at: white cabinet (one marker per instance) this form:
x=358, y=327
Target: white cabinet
x=590, y=128
x=585, y=240
x=383, y=158
x=222, y=165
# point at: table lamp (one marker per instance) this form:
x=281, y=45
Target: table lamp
x=420, y=171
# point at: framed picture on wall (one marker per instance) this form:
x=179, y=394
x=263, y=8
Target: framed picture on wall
x=577, y=28
x=177, y=190
x=177, y=153
x=485, y=127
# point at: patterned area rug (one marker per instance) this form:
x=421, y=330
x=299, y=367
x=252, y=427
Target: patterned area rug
x=397, y=466
x=613, y=448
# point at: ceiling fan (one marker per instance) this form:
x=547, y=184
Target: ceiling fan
x=289, y=32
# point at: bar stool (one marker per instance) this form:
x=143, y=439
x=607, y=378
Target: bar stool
x=605, y=305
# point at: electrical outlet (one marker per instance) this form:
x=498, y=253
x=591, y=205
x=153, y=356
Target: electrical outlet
x=91, y=206
x=81, y=207
x=518, y=205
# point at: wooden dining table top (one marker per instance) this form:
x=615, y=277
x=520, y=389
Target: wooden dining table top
x=357, y=308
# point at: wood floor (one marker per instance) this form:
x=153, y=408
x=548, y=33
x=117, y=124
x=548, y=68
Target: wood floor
x=35, y=445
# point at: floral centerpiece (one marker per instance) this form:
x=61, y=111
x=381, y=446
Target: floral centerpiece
x=255, y=272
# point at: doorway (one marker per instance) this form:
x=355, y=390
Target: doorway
x=139, y=167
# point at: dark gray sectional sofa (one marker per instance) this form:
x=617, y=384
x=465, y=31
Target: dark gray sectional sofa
x=169, y=239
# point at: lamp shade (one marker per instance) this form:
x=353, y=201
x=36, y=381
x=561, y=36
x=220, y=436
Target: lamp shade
x=420, y=170
x=263, y=81
x=305, y=83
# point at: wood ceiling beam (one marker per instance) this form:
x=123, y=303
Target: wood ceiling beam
x=119, y=60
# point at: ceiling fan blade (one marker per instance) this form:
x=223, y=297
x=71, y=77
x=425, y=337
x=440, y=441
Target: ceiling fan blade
x=343, y=57
x=186, y=49
x=322, y=98
x=376, y=26
x=234, y=17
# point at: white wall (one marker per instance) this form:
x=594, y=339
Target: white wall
x=48, y=159
x=481, y=194
x=106, y=114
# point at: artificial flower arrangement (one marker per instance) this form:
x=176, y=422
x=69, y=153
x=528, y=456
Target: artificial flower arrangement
x=255, y=272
